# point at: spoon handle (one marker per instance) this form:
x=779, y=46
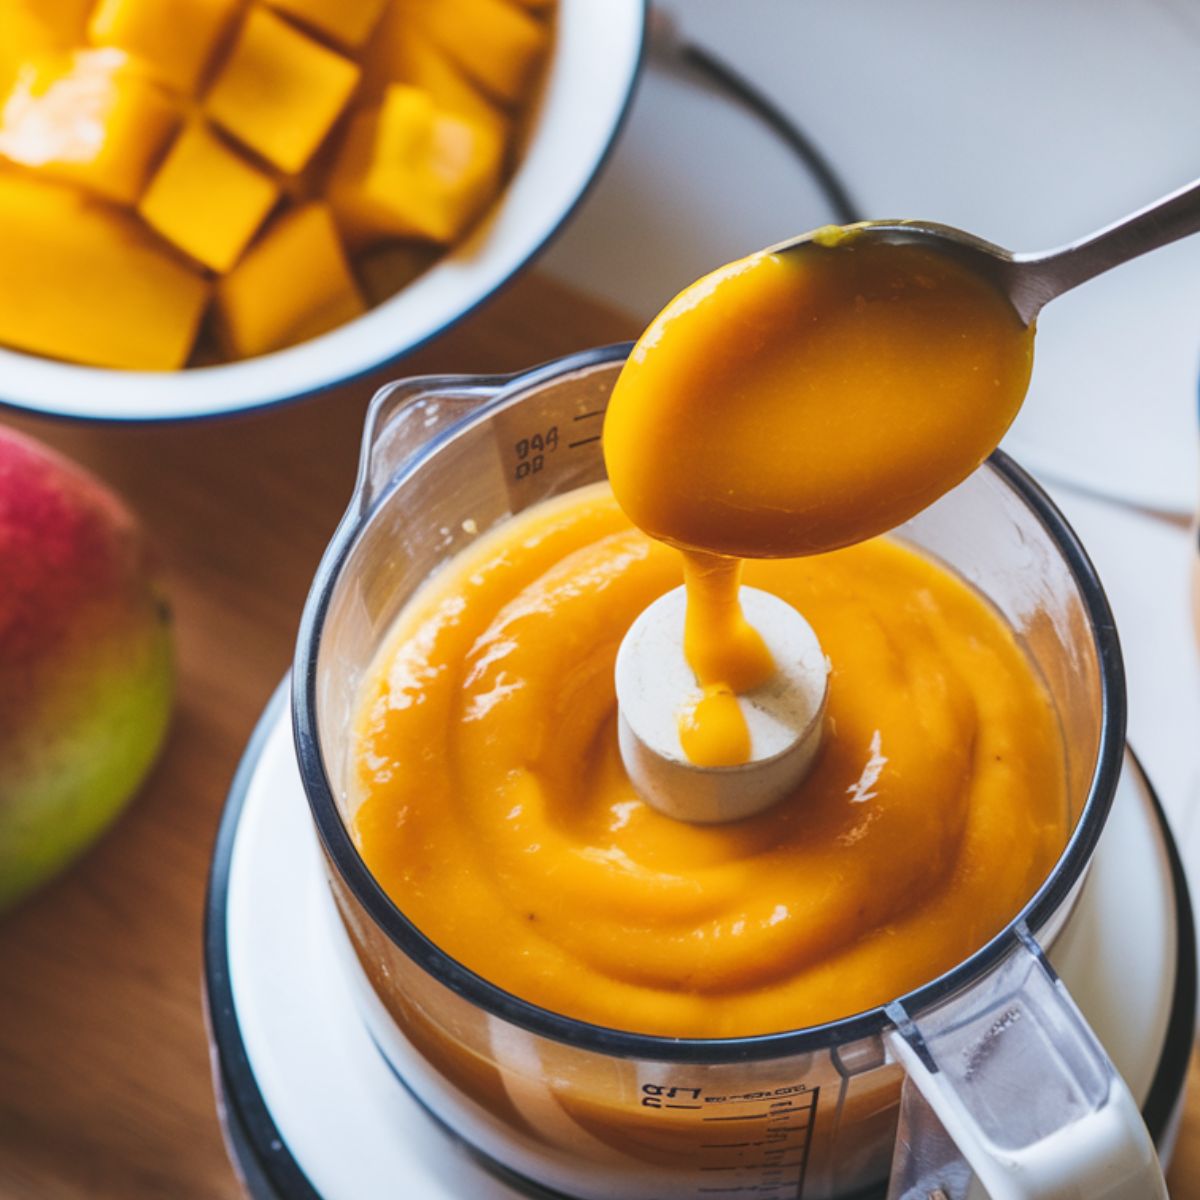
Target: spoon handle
x=1040, y=277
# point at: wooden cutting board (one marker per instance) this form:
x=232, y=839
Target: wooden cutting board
x=105, y=1091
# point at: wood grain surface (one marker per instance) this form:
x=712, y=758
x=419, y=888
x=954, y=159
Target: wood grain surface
x=105, y=1091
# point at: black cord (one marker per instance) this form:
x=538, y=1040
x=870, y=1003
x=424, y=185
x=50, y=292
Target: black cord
x=742, y=90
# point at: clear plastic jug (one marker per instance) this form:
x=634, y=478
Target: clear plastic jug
x=989, y=1072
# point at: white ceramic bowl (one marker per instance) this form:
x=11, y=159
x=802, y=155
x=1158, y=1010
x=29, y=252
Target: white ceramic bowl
x=590, y=78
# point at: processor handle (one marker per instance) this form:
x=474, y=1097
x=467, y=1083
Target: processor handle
x=1007, y=1082
x=404, y=417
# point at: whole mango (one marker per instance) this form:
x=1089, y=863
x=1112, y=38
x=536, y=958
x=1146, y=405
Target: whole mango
x=86, y=664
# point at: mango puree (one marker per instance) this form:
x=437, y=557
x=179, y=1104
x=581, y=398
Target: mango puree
x=491, y=803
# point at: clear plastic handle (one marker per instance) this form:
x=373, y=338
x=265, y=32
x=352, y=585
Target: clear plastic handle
x=1007, y=1081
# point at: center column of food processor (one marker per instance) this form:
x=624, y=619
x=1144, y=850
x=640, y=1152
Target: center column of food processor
x=783, y=715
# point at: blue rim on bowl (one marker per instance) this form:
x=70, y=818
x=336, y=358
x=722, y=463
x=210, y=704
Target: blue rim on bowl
x=590, y=81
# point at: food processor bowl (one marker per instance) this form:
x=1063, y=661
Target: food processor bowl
x=597, y=1113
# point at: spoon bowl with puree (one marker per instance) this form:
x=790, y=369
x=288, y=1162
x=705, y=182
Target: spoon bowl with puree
x=829, y=388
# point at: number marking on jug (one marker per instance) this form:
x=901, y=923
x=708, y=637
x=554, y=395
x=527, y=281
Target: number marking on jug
x=531, y=451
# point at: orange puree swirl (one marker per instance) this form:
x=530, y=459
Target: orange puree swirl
x=491, y=803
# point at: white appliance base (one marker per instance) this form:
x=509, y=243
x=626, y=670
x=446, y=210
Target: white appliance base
x=313, y=1112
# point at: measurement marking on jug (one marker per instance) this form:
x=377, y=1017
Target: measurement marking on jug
x=587, y=416
x=531, y=451
x=584, y=441
x=657, y=1095
x=759, y=1116
x=776, y=1096
x=769, y=1159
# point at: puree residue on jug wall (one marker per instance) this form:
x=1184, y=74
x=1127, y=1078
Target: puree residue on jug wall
x=782, y=411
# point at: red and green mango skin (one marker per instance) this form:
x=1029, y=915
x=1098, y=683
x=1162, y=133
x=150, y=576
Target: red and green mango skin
x=86, y=666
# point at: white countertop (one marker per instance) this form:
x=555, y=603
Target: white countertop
x=1027, y=123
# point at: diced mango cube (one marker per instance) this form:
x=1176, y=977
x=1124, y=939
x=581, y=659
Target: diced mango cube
x=207, y=198
x=174, y=42
x=466, y=161
x=408, y=170
x=401, y=52
x=496, y=43
x=83, y=281
x=279, y=91
x=88, y=119
x=431, y=71
x=347, y=22
x=293, y=284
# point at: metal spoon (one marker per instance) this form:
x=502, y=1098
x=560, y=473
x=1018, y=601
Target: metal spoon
x=1031, y=281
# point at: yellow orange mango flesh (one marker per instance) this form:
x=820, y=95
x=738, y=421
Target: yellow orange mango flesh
x=264, y=303
x=85, y=282
x=347, y=22
x=207, y=199
x=24, y=38
x=400, y=51
x=175, y=44
x=88, y=118
x=279, y=91
x=202, y=117
x=502, y=51
x=408, y=170
x=56, y=24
